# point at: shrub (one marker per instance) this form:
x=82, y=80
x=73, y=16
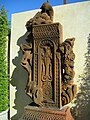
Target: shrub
x=3, y=60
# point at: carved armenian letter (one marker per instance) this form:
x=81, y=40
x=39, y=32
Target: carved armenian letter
x=50, y=65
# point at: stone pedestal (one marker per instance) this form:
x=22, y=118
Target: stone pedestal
x=36, y=113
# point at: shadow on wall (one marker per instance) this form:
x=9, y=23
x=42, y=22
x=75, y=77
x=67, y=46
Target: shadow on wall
x=19, y=80
x=81, y=110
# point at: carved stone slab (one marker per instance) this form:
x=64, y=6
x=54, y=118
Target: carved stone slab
x=46, y=64
x=50, y=65
x=35, y=113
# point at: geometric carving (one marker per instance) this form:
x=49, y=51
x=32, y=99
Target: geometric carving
x=49, y=63
x=32, y=113
x=50, y=31
x=45, y=63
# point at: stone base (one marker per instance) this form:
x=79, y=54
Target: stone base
x=36, y=113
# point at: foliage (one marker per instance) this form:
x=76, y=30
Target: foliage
x=81, y=109
x=3, y=60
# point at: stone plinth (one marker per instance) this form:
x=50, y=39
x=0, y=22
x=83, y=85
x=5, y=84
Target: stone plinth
x=36, y=113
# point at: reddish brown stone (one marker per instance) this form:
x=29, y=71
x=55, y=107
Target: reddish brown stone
x=50, y=65
x=37, y=113
x=42, y=60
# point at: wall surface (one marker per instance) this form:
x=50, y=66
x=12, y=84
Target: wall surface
x=75, y=20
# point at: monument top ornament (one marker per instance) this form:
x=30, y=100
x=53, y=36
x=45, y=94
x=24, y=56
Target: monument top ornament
x=49, y=61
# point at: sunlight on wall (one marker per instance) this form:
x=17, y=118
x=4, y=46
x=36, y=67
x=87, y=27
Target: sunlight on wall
x=74, y=19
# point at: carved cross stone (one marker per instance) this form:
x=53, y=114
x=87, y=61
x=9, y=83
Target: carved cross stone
x=48, y=61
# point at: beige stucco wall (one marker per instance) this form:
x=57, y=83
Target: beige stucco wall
x=75, y=19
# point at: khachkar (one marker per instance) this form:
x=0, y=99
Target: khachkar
x=50, y=66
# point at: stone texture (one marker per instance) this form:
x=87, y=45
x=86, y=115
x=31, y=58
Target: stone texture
x=49, y=63
x=37, y=113
x=42, y=60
